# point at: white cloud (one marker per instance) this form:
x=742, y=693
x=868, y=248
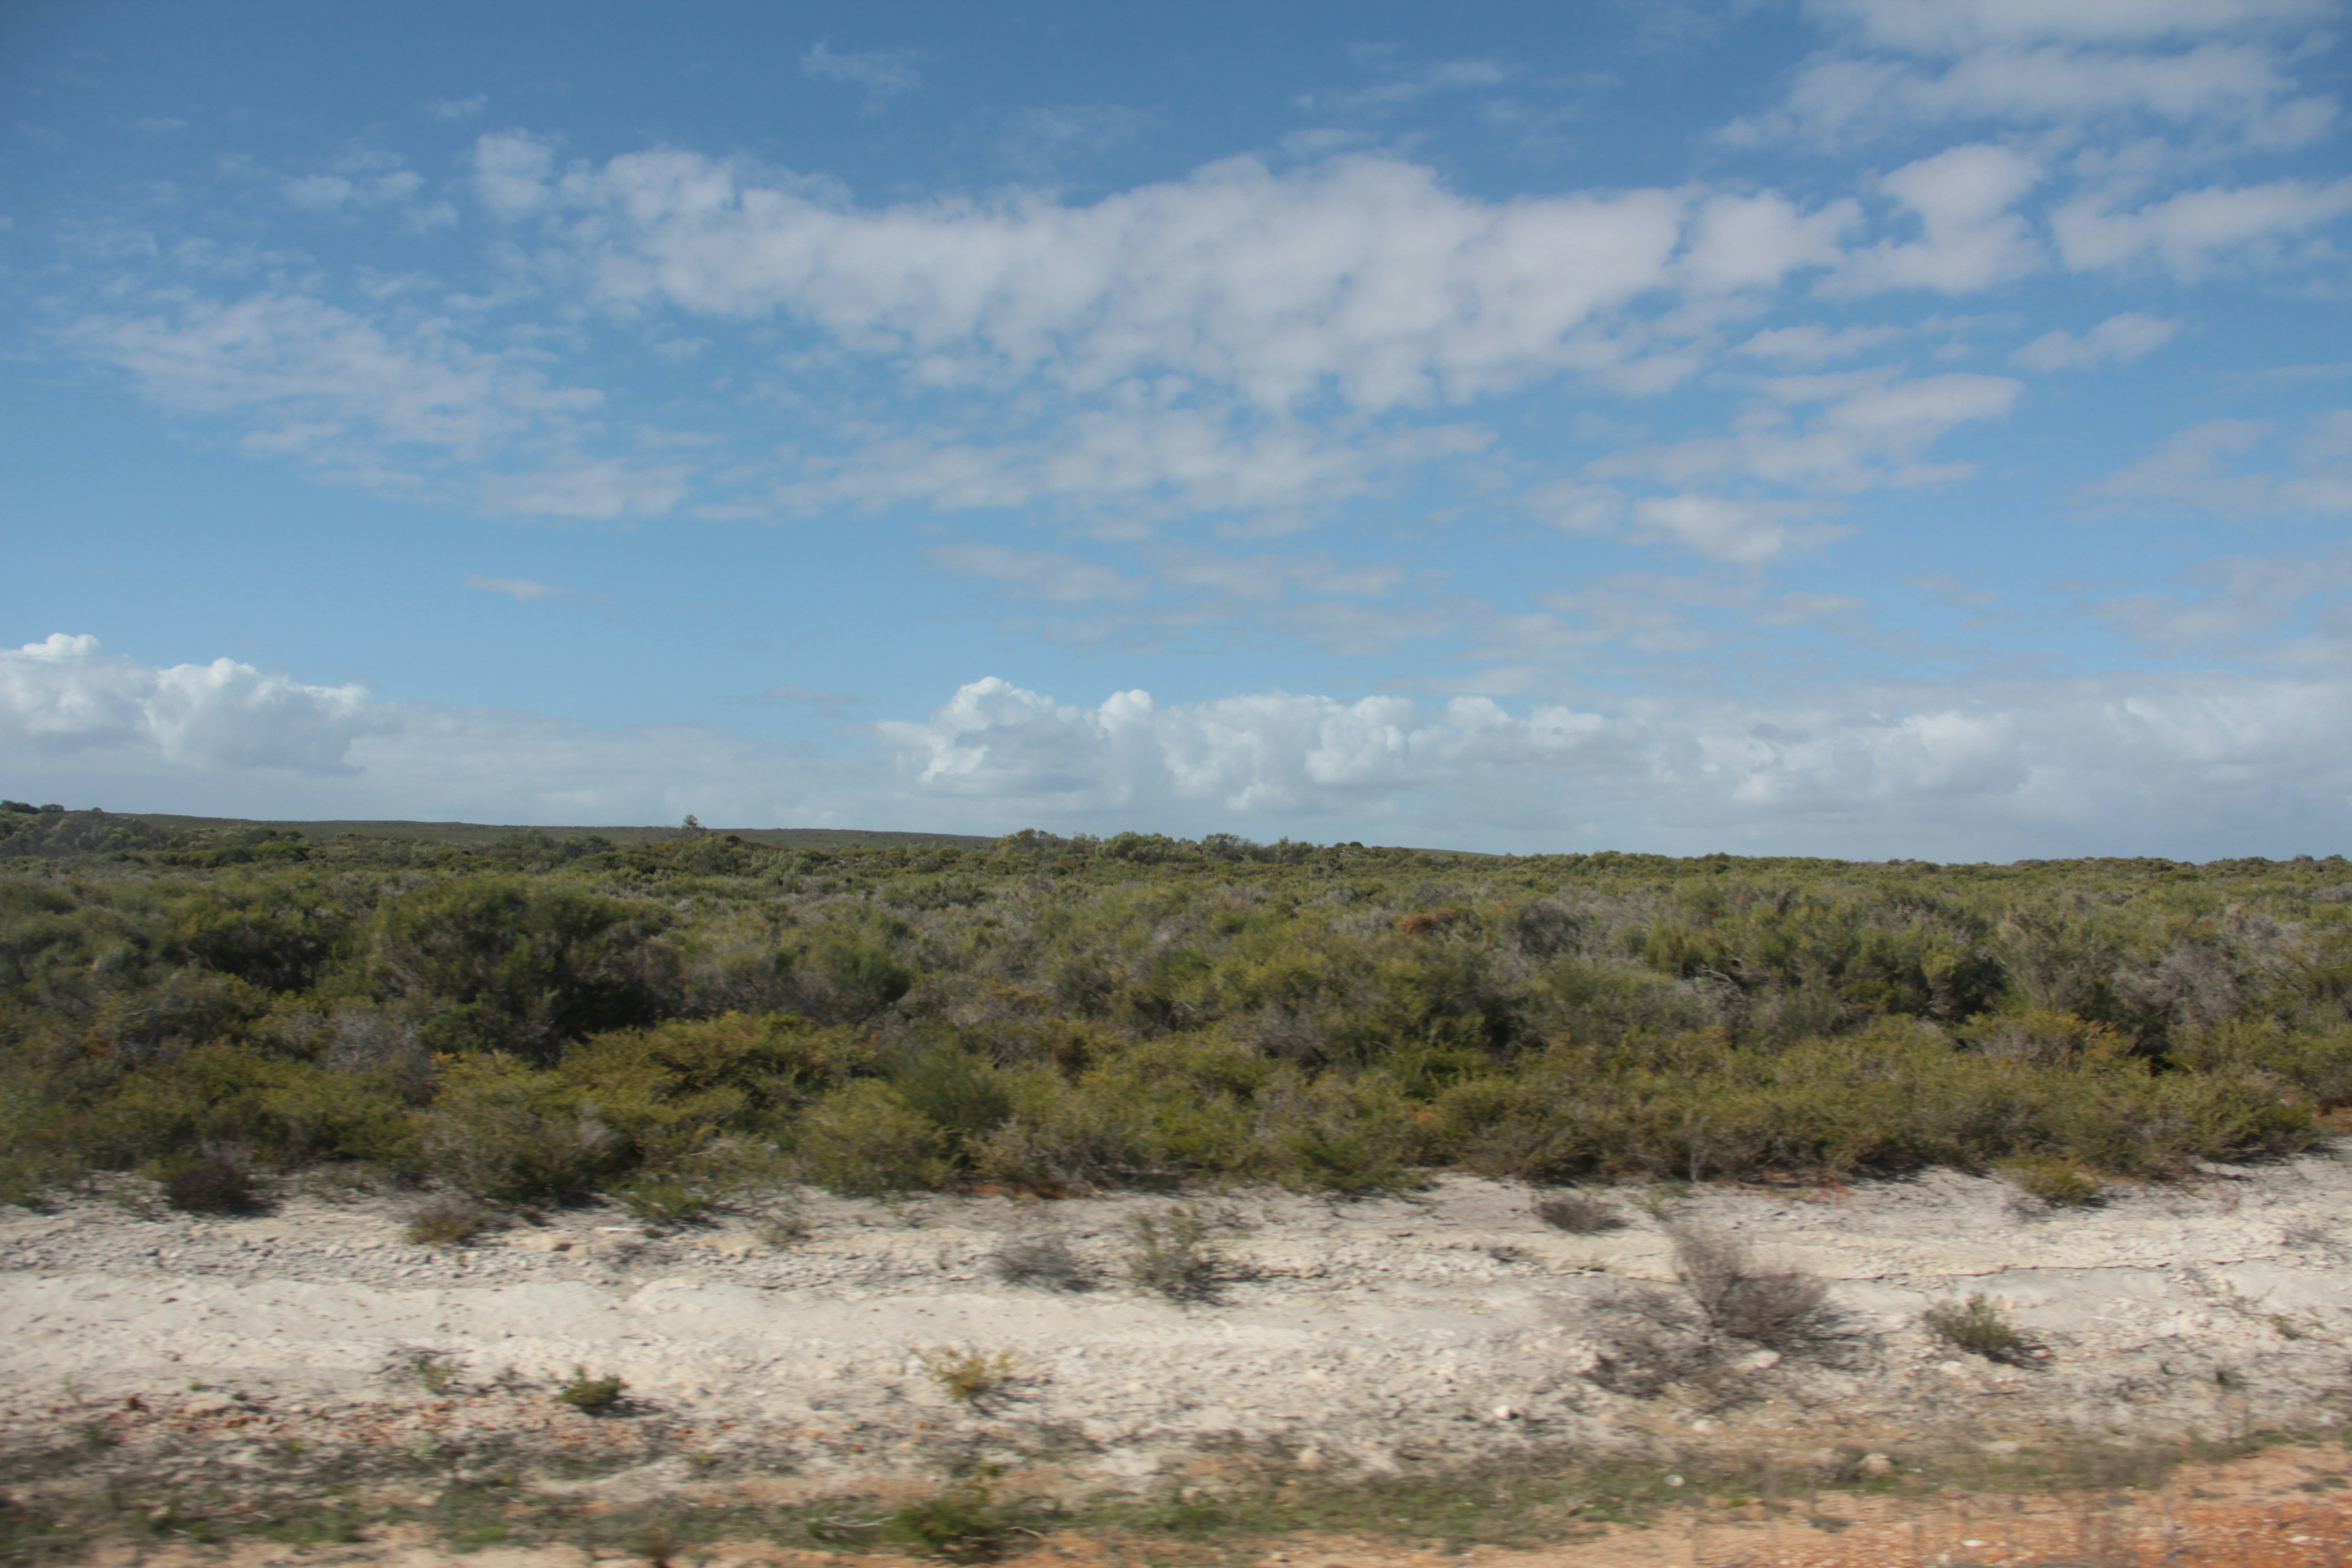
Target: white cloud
x=2110, y=761
x=884, y=74
x=1755, y=242
x=2194, y=232
x=1810, y=342
x=411, y=409
x=1403, y=85
x=1125, y=459
x=511, y=169
x=2118, y=340
x=67, y=695
x=2195, y=470
x=519, y=588
x=1866, y=429
x=2207, y=70
x=2244, y=88
x=1951, y=26
x=1721, y=529
x=1046, y=575
x=1362, y=278
x=456, y=109
x=1969, y=240
x=2190, y=764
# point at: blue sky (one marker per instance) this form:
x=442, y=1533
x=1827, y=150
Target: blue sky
x=1869, y=427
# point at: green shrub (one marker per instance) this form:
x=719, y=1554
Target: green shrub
x=592, y=1396
x=504, y=1132
x=865, y=1140
x=2055, y=1179
x=445, y=1222
x=969, y=1376
x=503, y=965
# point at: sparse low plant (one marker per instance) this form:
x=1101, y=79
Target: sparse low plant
x=1774, y=1307
x=1046, y=1262
x=1980, y=1327
x=445, y=1222
x=1579, y=1213
x=592, y=1396
x=438, y=1373
x=968, y=1375
x=1172, y=1252
x=2057, y=1180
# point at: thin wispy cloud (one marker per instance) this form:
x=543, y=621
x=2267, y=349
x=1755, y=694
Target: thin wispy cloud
x=883, y=75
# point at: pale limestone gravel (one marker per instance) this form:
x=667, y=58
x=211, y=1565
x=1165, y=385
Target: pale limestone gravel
x=1449, y=1322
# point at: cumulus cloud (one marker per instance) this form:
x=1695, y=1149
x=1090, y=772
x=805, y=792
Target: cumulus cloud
x=66, y=694
x=2171, y=763
x=2118, y=340
x=1993, y=766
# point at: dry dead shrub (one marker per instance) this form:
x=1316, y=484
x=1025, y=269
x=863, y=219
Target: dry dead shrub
x=1781, y=1307
x=1044, y=1261
x=1579, y=1213
x=216, y=1181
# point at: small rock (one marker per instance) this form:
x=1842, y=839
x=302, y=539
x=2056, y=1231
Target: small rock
x=1875, y=1464
x=1507, y=1413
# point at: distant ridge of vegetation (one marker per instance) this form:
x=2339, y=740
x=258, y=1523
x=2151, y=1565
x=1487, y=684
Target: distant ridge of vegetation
x=679, y=1017
x=475, y=833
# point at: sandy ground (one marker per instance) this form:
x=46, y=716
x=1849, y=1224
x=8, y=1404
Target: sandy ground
x=1371, y=1338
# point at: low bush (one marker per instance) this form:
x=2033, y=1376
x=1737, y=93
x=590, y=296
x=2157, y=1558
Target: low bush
x=969, y=1376
x=214, y=1182
x=592, y=1396
x=445, y=1222
x=865, y=1140
x=547, y=1016
x=963, y=1524
x=1579, y=1213
x=1979, y=1328
x=1172, y=1252
x=1780, y=1308
x=507, y=1133
x=1044, y=1261
x=2054, y=1179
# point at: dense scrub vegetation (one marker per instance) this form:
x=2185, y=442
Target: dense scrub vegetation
x=548, y=1016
